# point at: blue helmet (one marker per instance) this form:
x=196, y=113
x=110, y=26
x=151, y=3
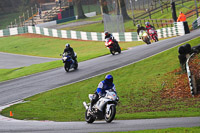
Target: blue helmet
x=109, y=78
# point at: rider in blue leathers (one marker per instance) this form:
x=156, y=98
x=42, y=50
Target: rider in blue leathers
x=101, y=89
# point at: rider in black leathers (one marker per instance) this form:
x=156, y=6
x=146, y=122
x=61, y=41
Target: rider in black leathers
x=109, y=35
x=139, y=28
x=69, y=50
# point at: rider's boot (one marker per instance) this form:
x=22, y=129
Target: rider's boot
x=91, y=105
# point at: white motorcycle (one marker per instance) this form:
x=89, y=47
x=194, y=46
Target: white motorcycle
x=144, y=36
x=104, y=108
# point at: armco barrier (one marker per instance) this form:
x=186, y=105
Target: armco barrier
x=191, y=77
x=177, y=30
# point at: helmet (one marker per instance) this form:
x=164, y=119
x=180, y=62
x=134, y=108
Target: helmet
x=109, y=78
x=146, y=23
x=106, y=33
x=138, y=26
x=67, y=45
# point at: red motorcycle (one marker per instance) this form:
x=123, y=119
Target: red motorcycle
x=113, y=46
x=153, y=34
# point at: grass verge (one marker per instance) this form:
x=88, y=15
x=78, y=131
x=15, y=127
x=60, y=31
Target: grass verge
x=37, y=45
x=139, y=87
x=167, y=130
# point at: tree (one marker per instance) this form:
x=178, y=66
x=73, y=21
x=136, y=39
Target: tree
x=123, y=11
x=104, y=7
x=80, y=11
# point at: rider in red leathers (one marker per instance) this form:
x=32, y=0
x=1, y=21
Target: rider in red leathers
x=148, y=27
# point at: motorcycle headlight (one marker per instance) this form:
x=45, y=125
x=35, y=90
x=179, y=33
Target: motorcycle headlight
x=110, y=97
x=109, y=43
x=145, y=34
x=64, y=58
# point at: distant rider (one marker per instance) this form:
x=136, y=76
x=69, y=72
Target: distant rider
x=110, y=36
x=101, y=89
x=139, y=28
x=148, y=27
x=69, y=50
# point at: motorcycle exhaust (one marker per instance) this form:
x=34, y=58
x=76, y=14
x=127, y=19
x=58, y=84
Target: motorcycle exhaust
x=85, y=105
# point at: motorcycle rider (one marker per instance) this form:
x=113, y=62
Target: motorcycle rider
x=139, y=28
x=104, y=85
x=148, y=27
x=110, y=36
x=69, y=50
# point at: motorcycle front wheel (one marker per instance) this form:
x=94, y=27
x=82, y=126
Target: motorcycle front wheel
x=147, y=40
x=112, y=51
x=67, y=66
x=156, y=38
x=89, y=118
x=111, y=114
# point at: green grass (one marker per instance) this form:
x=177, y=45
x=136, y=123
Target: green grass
x=139, y=87
x=167, y=130
x=50, y=47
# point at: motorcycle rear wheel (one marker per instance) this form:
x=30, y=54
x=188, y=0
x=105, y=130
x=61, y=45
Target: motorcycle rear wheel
x=76, y=66
x=119, y=50
x=109, y=117
x=89, y=118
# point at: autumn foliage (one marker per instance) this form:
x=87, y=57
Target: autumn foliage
x=178, y=86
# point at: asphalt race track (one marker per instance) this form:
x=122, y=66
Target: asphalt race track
x=18, y=89
x=14, y=60
x=97, y=126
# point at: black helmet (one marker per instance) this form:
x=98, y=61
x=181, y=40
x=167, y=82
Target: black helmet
x=109, y=78
x=138, y=26
x=67, y=45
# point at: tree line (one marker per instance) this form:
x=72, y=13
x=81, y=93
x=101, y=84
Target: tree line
x=9, y=6
x=104, y=8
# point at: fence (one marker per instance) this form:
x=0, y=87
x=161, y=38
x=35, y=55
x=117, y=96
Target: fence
x=155, y=22
x=177, y=30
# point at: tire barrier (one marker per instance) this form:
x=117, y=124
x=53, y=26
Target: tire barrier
x=184, y=53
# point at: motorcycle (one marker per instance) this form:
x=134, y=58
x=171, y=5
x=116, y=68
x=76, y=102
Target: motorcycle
x=104, y=108
x=69, y=63
x=144, y=36
x=153, y=34
x=114, y=47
